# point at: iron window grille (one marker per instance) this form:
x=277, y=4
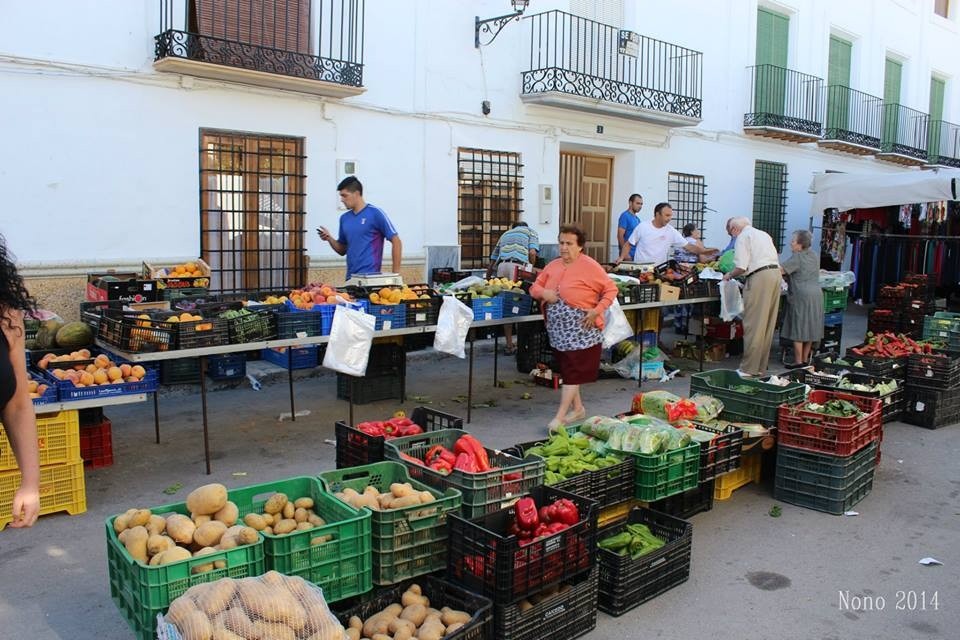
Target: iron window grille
x=252, y=190
x=490, y=186
x=770, y=199
x=687, y=194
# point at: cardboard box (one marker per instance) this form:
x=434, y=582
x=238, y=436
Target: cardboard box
x=126, y=287
x=167, y=281
x=669, y=293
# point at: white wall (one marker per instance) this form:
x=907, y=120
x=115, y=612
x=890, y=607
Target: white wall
x=102, y=151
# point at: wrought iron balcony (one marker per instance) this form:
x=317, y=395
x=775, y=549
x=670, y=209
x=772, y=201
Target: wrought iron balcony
x=784, y=104
x=903, y=136
x=582, y=64
x=853, y=121
x=312, y=46
x=943, y=144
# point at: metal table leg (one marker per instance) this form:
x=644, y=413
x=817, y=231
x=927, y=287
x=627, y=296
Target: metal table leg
x=293, y=410
x=156, y=414
x=203, y=401
x=470, y=381
x=353, y=393
x=703, y=339
x=496, y=338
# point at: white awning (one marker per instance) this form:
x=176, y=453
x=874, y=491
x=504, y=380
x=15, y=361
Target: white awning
x=845, y=191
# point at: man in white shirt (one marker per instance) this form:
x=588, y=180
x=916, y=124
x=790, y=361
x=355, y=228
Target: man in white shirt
x=655, y=240
x=756, y=256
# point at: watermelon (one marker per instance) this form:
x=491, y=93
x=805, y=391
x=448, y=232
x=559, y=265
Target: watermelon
x=74, y=335
x=47, y=333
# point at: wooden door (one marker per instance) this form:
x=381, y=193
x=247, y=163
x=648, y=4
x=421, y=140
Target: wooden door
x=585, y=182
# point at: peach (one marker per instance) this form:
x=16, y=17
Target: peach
x=114, y=374
x=86, y=378
x=137, y=371
x=101, y=361
x=100, y=376
x=125, y=370
x=32, y=386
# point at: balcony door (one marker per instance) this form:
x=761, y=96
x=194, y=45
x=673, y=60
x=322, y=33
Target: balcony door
x=274, y=24
x=585, y=182
x=938, y=88
x=891, y=101
x=771, y=74
x=838, y=84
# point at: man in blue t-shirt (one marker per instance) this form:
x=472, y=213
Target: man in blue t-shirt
x=628, y=221
x=363, y=229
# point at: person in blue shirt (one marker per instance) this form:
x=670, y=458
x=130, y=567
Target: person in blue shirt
x=363, y=228
x=628, y=220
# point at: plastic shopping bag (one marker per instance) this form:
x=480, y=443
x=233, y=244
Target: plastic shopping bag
x=350, y=338
x=731, y=302
x=453, y=323
x=615, y=326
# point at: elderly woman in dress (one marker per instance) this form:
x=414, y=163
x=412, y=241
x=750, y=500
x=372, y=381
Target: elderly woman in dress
x=575, y=291
x=803, y=320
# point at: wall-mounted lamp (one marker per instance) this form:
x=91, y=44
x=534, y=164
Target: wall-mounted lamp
x=493, y=26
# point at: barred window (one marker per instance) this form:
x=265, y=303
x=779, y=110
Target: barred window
x=770, y=199
x=688, y=195
x=252, y=211
x=490, y=184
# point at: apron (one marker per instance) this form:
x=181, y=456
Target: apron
x=565, y=328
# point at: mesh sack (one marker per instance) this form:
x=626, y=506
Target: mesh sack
x=269, y=606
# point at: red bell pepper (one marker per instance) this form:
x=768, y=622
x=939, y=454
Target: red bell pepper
x=469, y=444
x=566, y=512
x=526, y=514
x=411, y=429
x=441, y=466
x=465, y=463
x=409, y=458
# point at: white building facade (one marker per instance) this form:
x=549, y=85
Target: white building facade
x=167, y=129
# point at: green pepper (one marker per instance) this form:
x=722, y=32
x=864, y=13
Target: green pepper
x=617, y=542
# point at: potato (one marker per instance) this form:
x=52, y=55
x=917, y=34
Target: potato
x=410, y=597
x=415, y=588
x=199, y=520
x=135, y=542
x=247, y=535
x=405, y=501
x=415, y=613
x=203, y=568
x=156, y=525
x=275, y=503
x=315, y=520
x=451, y=616
x=216, y=596
x=181, y=528
x=289, y=510
x=180, y=609
x=352, y=633
x=303, y=503
x=175, y=554
x=300, y=514
x=284, y=526
x=304, y=526
x=195, y=626
x=381, y=636
x=234, y=530
x=228, y=542
x=403, y=634
x=270, y=519
x=155, y=560
x=158, y=544
x=255, y=520
x=378, y=623
x=432, y=629
x=268, y=530
x=208, y=499
x=237, y=621
x=208, y=534
x=222, y=633
x=355, y=622
x=426, y=496
x=321, y=539
x=453, y=627
x=122, y=522
x=228, y=515
x=269, y=603
x=399, y=623
x=274, y=631
x=399, y=490
x=140, y=518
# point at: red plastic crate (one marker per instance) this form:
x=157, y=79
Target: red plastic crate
x=830, y=434
x=96, y=444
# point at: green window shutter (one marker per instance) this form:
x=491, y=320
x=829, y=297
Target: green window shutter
x=771, y=82
x=937, y=90
x=838, y=83
x=891, y=82
x=891, y=104
x=934, y=132
x=770, y=199
x=838, y=69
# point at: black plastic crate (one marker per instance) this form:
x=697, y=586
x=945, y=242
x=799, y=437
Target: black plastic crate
x=386, y=358
x=689, y=503
x=486, y=559
x=371, y=388
x=417, y=341
x=933, y=370
x=824, y=491
x=833, y=335
x=533, y=347
x=355, y=448
x=298, y=324
x=180, y=371
x=931, y=408
x=129, y=332
x=626, y=583
x=441, y=594
x=231, y=366
x=722, y=454
x=701, y=289
x=877, y=366
x=253, y=325
x=443, y=275
x=883, y=320
x=647, y=292
x=689, y=276
x=564, y=615
x=893, y=402
x=422, y=313
x=91, y=312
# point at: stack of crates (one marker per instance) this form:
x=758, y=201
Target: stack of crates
x=827, y=462
x=943, y=327
x=543, y=588
x=834, y=305
x=385, y=379
x=62, y=486
x=96, y=438
x=745, y=400
x=932, y=393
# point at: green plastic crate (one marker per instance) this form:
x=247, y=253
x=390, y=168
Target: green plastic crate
x=830, y=500
x=740, y=406
x=406, y=543
x=822, y=471
x=342, y=567
x=665, y=474
x=141, y=591
x=482, y=493
x=940, y=325
x=834, y=299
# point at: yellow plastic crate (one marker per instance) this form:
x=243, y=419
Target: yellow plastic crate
x=610, y=515
x=61, y=489
x=749, y=471
x=58, y=437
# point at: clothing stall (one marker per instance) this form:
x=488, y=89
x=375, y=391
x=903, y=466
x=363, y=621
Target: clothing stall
x=884, y=226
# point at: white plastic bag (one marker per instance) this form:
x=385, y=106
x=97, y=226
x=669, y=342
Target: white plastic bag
x=351, y=335
x=467, y=282
x=453, y=323
x=731, y=302
x=615, y=326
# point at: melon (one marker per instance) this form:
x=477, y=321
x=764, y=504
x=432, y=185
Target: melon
x=74, y=335
x=47, y=333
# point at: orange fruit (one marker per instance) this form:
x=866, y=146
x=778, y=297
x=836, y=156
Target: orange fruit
x=190, y=266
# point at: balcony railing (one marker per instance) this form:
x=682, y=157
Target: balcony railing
x=588, y=59
x=903, y=131
x=320, y=40
x=786, y=100
x=943, y=144
x=853, y=117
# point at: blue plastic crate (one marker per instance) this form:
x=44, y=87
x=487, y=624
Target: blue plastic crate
x=52, y=393
x=389, y=316
x=515, y=304
x=67, y=390
x=227, y=367
x=649, y=339
x=303, y=357
x=833, y=319
x=487, y=308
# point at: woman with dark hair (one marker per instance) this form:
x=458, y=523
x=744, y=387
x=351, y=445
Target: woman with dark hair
x=803, y=320
x=16, y=407
x=575, y=291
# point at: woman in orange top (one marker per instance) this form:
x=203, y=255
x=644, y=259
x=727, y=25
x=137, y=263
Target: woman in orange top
x=575, y=291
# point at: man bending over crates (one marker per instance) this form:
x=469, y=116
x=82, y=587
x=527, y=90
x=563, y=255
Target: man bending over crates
x=516, y=250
